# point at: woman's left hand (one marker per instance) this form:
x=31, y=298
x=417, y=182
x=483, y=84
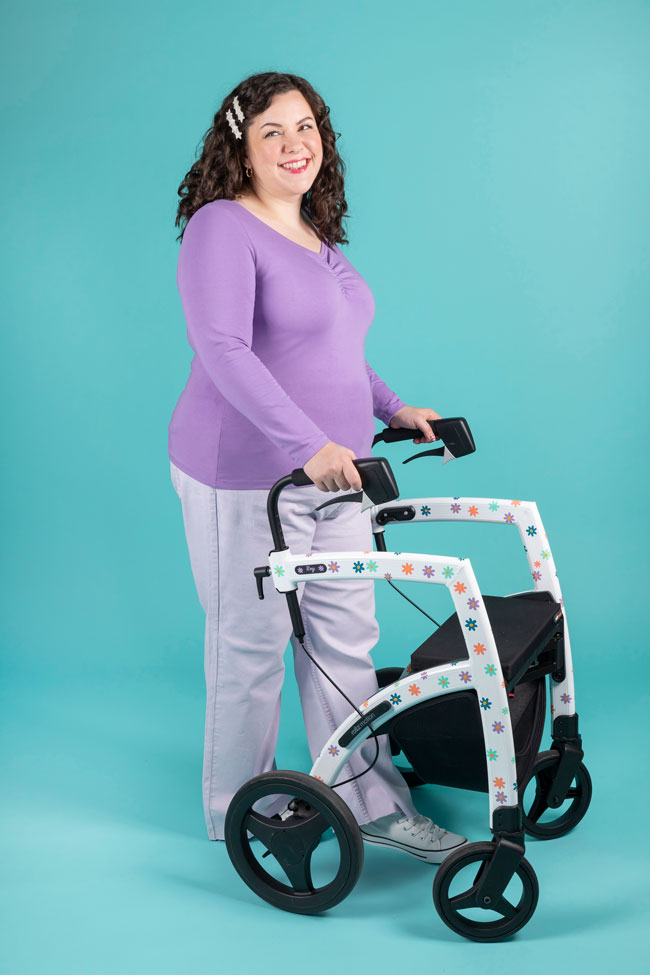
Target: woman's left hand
x=415, y=417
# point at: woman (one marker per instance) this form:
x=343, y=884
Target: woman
x=277, y=318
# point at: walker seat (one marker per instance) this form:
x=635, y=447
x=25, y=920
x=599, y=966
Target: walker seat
x=526, y=627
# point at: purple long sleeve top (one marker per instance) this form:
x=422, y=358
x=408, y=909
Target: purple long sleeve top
x=278, y=333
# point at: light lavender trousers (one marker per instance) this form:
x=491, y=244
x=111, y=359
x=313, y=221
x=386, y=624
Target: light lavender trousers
x=228, y=534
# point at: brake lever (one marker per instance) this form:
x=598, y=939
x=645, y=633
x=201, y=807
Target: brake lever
x=443, y=452
x=361, y=496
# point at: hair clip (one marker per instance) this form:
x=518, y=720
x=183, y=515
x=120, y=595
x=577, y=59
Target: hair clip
x=237, y=107
x=240, y=116
x=231, y=122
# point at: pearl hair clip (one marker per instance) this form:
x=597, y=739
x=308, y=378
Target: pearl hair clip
x=240, y=116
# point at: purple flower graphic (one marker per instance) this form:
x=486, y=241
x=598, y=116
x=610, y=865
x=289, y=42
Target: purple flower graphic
x=498, y=727
x=472, y=603
x=510, y=519
x=465, y=676
x=455, y=508
x=428, y=571
x=334, y=567
x=500, y=796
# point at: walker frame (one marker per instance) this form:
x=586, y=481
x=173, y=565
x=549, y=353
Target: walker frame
x=481, y=672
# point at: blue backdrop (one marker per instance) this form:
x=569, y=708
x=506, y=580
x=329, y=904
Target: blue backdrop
x=497, y=180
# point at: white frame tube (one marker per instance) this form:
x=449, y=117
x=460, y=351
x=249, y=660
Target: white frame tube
x=525, y=516
x=481, y=672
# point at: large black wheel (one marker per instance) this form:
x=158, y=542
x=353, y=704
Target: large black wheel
x=386, y=676
x=290, y=881
x=482, y=922
x=535, y=800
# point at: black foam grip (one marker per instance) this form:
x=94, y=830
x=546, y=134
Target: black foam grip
x=299, y=478
x=404, y=433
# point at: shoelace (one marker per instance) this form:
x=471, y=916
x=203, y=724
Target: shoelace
x=422, y=824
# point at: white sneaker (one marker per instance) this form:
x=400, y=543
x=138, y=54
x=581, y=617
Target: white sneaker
x=418, y=836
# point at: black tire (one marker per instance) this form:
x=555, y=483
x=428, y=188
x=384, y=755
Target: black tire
x=514, y=916
x=579, y=797
x=318, y=807
x=386, y=676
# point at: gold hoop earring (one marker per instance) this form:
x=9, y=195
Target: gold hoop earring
x=249, y=172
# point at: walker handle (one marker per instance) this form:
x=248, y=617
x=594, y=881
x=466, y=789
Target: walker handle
x=377, y=479
x=299, y=478
x=390, y=435
x=453, y=432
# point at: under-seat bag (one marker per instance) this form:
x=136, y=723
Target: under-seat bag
x=443, y=738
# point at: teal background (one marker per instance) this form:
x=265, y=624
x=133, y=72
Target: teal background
x=497, y=177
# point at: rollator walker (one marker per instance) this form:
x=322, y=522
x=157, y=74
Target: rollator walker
x=467, y=711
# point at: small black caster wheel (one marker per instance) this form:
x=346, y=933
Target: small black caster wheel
x=534, y=801
x=289, y=882
x=479, y=921
x=386, y=676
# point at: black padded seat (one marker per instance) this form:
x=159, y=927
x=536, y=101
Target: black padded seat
x=522, y=627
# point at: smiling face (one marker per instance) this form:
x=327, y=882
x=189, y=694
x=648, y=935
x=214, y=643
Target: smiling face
x=285, y=133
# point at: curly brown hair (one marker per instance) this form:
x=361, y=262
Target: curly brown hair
x=218, y=172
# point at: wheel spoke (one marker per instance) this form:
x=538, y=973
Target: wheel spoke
x=261, y=827
x=538, y=807
x=545, y=778
x=299, y=874
x=468, y=898
x=480, y=872
x=463, y=901
x=505, y=907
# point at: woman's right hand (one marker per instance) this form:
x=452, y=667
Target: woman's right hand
x=331, y=468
